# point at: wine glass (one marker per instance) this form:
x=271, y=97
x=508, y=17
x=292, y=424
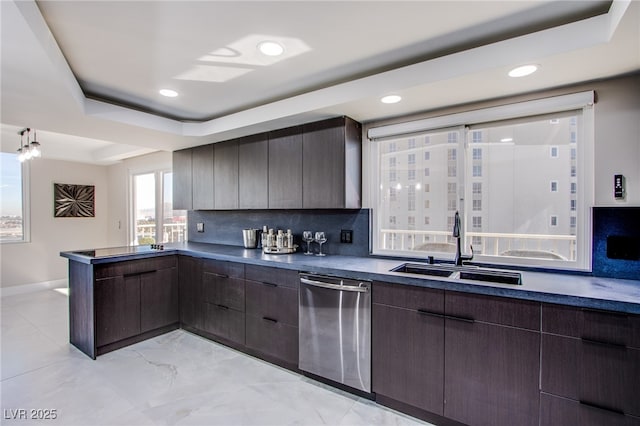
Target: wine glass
x=321, y=238
x=307, y=237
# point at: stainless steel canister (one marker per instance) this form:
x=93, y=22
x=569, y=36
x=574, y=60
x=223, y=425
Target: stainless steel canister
x=250, y=238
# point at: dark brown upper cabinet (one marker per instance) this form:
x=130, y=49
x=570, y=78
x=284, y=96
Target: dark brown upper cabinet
x=203, y=183
x=313, y=166
x=253, y=177
x=285, y=168
x=331, y=164
x=182, y=179
x=225, y=175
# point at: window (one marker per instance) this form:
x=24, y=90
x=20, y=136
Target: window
x=392, y=162
x=477, y=153
x=411, y=174
x=411, y=143
x=411, y=159
x=427, y=155
x=476, y=222
x=13, y=208
x=508, y=192
x=427, y=172
x=154, y=220
x=392, y=147
x=392, y=194
x=392, y=176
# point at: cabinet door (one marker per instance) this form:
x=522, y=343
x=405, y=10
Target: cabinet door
x=182, y=180
x=273, y=338
x=117, y=308
x=323, y=174
x=561, y=411
x=203, y=184
x=408, y=356
x=491, y=374
x=285, y=168
x=158, y=299
x=253, y=164
x=272, y=302
x=224, y=322
x=225, y=175
x=191, y=298
x=594, y=373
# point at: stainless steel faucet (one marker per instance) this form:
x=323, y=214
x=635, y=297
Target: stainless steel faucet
x=460, y=258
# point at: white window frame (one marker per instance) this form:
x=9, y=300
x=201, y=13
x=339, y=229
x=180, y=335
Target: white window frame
x=25, y=172
x=582, y=101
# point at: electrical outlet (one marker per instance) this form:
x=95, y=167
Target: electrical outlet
x=200, y=227
x=346, y=236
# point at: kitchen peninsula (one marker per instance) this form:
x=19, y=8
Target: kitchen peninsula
x=579, y=334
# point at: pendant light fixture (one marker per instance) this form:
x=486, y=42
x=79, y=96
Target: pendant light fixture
x=29, y=150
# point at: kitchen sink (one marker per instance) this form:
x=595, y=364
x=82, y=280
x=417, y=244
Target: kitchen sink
x=493, y=276
x=420, y=269
x=465, y=272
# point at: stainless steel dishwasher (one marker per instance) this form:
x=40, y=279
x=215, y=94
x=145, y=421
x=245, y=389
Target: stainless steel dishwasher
x=335, y=329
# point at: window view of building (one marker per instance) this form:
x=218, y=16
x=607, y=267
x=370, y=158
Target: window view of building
x=518, y=194
x=12, y=223
x=155, y=221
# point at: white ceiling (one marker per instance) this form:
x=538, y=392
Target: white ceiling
x=86, y=74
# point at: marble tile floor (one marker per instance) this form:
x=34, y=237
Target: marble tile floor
x=174, y=379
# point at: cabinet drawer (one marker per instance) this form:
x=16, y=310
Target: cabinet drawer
x=410, y=297
x=219, y=290
x=131, y=267
x=224, y=322
x=272, y=338
x=602, y=375
x=562, y=411
x=223, y=269
x=269, y=275
x=495, y=310
x=603, y=326
x=274, y=302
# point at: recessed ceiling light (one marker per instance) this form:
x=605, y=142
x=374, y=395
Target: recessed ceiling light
x=391, y=99
x=523, y=71
x=168, y=93
x=271, y=48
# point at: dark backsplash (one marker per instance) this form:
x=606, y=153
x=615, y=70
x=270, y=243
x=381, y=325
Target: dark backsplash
x=616, y=242
x=225, y=227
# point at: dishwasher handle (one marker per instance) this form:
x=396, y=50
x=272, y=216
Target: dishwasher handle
x=331, y=286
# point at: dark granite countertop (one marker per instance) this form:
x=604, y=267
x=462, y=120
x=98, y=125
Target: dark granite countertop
x=613, y=294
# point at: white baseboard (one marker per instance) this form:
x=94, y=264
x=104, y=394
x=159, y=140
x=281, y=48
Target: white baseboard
x=29, y=288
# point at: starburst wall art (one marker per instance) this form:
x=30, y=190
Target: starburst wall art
x=74, y=200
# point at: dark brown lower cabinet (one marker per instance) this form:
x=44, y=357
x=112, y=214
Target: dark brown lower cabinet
x=594, y=373
x=491, y=374
x=408, y=356
x=190, y=283
x=273, y=338
x=224, y=322
x=558, y=411
x=159, y=294
x=117, y=308
x=272, y=314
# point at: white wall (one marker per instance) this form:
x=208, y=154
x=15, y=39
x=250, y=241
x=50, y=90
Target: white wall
x=39, y=261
